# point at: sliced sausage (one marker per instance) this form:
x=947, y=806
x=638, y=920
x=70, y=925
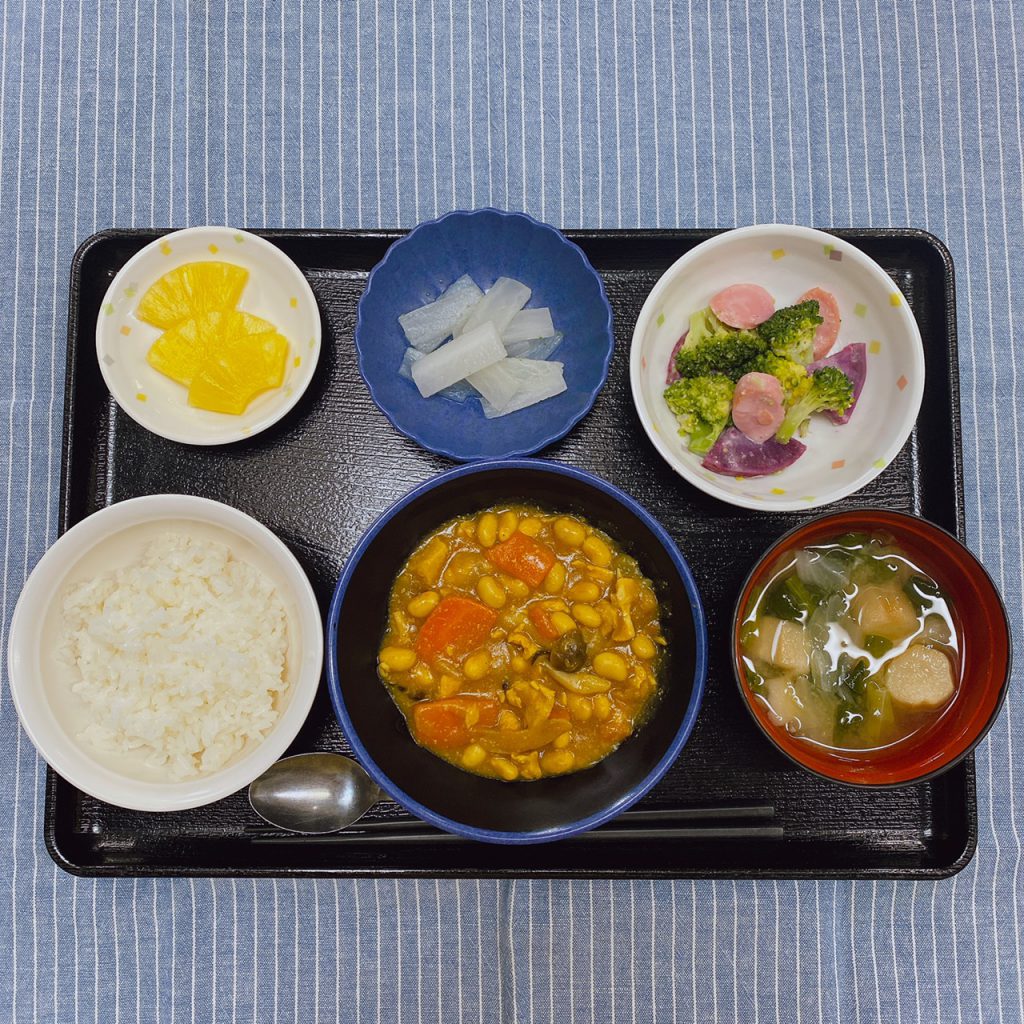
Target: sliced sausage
x=828, y=309
x=758, y=407
x=743, y=305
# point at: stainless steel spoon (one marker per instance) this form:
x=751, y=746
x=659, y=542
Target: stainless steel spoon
x=313, y=793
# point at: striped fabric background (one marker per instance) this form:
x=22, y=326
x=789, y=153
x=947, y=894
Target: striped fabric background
x=169, y=112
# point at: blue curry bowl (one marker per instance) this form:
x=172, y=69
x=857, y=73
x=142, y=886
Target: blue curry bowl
x=471, y=805
x=486, y=244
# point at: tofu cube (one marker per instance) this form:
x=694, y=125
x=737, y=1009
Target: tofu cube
x=793, y=710
x=782, y=644
x=920, y=679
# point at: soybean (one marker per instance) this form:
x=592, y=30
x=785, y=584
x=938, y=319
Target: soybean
x=397, y=659
x=612, y=666
x=555, y=579
x=476, y=666
x=579, y=707
x=507, y=523
x=505, y=768
x=585, y=591
x=516, y=587
x=448, y=686
x=423, y=604
x=563, y=623
x=643, y=647
x=586, y=615
x=487, y=529
x=530, y=526
x=570, y=532
x=597, y=551
x=473, y=755
x=558, y=761
x=491, y=592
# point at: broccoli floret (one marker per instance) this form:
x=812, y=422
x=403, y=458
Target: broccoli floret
x=789, y=332
x=790, y=375
x=712, y=347
x=703, y=325
x=702, y=405
x=726, y=353
x=827, y=389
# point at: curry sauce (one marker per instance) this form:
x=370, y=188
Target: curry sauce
x=521, y=643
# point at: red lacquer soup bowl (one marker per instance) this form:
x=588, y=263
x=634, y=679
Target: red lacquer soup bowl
x=985, y=654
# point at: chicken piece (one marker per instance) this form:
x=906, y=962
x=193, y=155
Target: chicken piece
x=609, y=617
x=428, y=563
x=525, y=644
x=538, y=703
x=782, y=644
x=920, y=679
x=626, y=591
x=529, y=764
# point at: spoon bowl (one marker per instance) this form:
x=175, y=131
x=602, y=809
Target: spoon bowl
x=313, y=794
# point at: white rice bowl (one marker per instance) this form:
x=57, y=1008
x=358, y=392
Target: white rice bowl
x=165, y=652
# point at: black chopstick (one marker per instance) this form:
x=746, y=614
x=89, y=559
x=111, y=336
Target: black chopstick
x=629, y=825
x=606, y=833
x=667, y=815
x=700, y=813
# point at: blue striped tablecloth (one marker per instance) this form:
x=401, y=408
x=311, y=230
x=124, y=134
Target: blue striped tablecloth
x=868, y=112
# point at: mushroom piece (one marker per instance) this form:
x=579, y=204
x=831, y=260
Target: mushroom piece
x=583, y=683
x=520, y=741
x=569, y=651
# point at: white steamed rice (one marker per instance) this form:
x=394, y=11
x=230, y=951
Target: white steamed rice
x=180, y=657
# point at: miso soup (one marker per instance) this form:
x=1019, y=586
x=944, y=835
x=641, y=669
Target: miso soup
x=851, y=645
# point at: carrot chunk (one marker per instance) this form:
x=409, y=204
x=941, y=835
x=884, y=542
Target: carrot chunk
x=523, y=557
x=452, y=722
x=455, y=626
x=541, y=619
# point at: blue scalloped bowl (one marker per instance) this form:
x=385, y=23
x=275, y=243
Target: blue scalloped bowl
x=486, y=244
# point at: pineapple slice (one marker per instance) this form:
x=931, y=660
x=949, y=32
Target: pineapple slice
x=244, y=366
x=181, y=351
x=225, y=357
x=191, y=290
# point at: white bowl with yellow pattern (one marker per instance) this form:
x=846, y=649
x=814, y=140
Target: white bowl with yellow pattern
x=788, y=260
x=275, y=290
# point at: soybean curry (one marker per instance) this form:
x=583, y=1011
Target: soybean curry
x=521, y=643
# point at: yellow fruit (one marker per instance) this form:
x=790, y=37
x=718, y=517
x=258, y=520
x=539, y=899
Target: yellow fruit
x=191, y=290
x=240, y=369
x=223, y=356
x=181, y=351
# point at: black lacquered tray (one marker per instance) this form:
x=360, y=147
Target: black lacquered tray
x=320, y=477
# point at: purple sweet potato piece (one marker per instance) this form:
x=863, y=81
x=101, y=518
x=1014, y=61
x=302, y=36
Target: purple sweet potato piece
x=853, y=361
x=672, y=374
x=734, y=454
